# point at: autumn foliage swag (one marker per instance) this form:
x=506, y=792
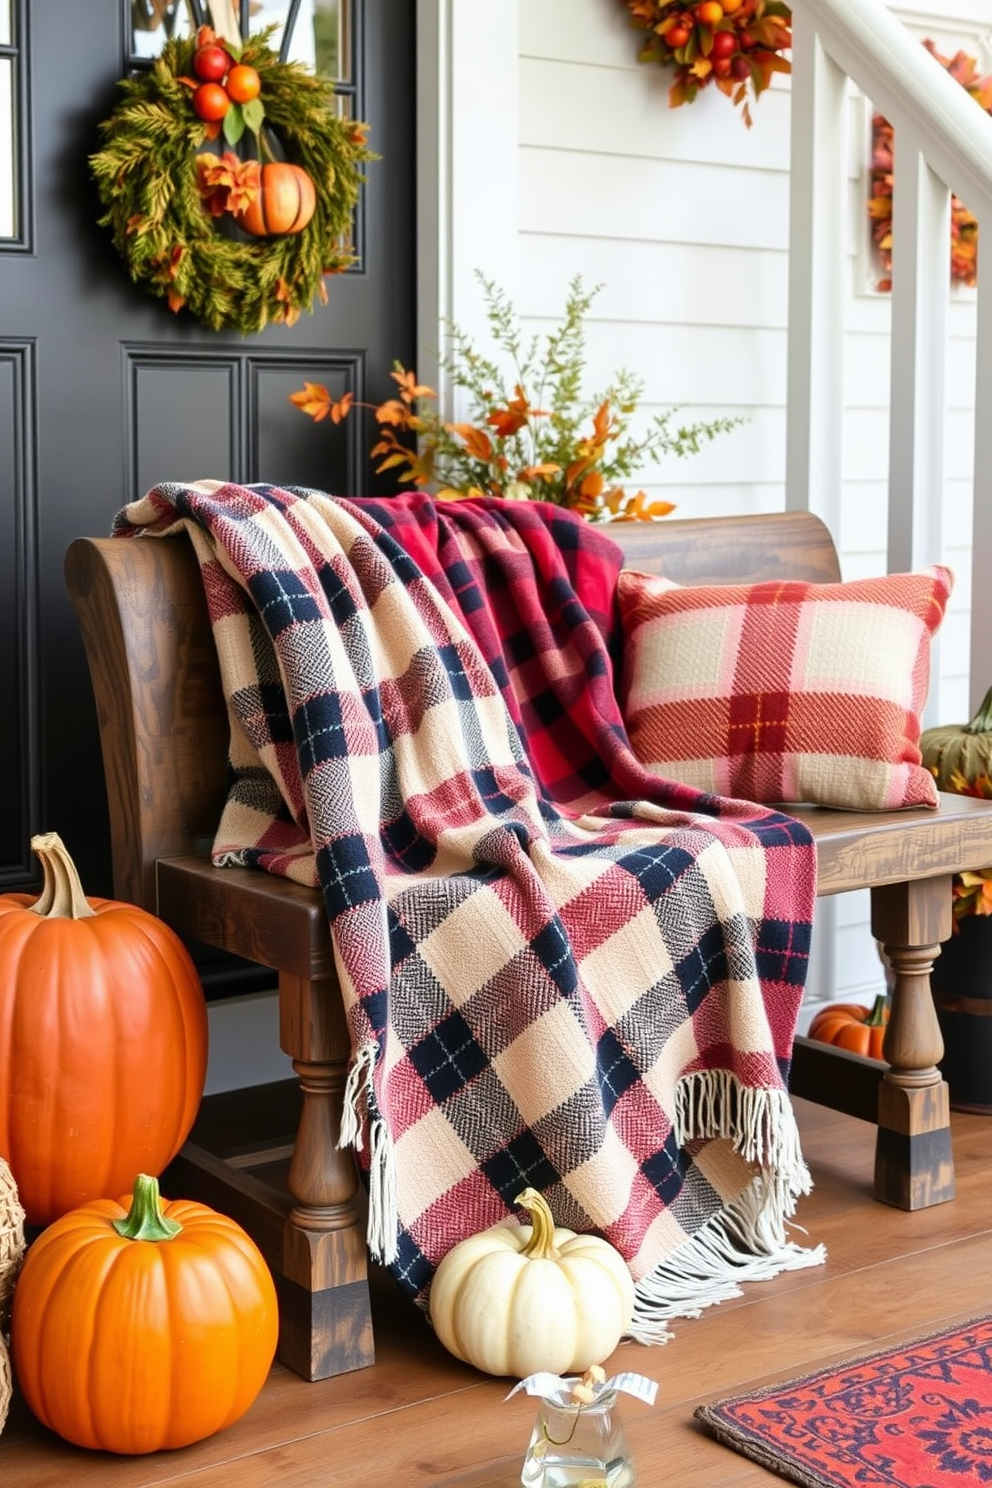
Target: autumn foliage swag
x=178, y=188
x=735, y=45
x=964, y=226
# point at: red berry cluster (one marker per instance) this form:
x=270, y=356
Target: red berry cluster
x=735, y=44
x=719, y=30
x=223, y=82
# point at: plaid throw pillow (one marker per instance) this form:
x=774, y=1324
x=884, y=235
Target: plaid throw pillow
x=783, y=692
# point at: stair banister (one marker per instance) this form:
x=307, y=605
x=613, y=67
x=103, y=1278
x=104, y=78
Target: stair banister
x=943, y=142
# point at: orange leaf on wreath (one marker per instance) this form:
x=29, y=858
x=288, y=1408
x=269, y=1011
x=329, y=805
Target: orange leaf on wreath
x=227, y=184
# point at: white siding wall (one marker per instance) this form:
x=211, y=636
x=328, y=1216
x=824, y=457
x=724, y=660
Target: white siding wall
x=556, y=154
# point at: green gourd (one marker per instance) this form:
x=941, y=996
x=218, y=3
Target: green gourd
x=960, y=749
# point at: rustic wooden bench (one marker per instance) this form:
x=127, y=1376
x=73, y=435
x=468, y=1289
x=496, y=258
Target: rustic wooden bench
x=270, y=1157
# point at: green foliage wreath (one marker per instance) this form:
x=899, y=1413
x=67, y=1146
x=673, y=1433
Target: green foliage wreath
x=147, y=179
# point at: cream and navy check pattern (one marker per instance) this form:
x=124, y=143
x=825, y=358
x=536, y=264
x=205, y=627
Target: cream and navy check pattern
x=558, y=970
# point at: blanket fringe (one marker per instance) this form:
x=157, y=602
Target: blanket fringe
x=748, y=1239
x=761, y=1123
x=712, y=1266
x=359, y=1096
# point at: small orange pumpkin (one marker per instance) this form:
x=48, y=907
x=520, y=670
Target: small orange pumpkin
x=103, y=1041
x=284, y=203
x=849, y=1025
x=139, y=1325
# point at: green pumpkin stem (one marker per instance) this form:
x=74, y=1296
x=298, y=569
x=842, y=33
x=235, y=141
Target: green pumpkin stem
x=62, y=896
x=541, y=1245
x=982, y=721
x=145, y=1220
x=877, y=1018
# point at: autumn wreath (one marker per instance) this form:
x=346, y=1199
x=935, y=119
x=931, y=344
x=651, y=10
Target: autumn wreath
x=189, y=222
x=735, y=44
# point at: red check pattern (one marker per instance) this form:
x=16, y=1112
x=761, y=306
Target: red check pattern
x=558, y=970
x=784, y=692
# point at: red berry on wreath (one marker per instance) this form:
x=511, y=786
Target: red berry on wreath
x=677, y=37
x=710, y=12
x=210, y=102
x=243, y=83
x=722, y=66
x=724, y=44
x=211, y=63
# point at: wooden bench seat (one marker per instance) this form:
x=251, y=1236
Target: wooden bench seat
x=270, y=1157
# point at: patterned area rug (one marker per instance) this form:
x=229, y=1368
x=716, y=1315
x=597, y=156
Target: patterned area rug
x=916, y=1416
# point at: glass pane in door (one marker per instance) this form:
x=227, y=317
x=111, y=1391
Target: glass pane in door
x=9, y=132
x=320, y=37
x=154, y=22
x=8, y=158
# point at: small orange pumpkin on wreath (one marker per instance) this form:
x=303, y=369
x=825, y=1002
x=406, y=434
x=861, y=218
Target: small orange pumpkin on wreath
x=244, y=237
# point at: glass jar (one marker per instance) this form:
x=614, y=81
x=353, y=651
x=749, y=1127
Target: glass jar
x=578, y=1446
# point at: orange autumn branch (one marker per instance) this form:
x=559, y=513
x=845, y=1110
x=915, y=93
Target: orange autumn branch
x=535, y=439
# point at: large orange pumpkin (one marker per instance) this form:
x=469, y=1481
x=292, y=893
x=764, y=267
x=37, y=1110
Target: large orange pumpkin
x=139, y=1325
x=103, y=1041
x=850, y=1025
x=284, y=203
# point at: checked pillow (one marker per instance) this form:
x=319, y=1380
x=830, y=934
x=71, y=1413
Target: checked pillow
x=783, y=691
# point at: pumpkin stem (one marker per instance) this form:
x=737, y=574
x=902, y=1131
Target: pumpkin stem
x=982, y=721
x=877, y=1017
x=541, y=1245
x=62, y=896
x=145, y=1220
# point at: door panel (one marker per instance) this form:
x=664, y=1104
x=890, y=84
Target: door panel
x=104, y=392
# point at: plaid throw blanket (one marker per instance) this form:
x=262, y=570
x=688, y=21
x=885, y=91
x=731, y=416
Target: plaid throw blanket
x=558, y=970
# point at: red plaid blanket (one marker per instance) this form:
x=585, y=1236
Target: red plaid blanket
x=558, y=970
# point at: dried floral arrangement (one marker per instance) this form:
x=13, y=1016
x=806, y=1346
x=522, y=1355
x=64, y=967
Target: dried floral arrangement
x=531, y=435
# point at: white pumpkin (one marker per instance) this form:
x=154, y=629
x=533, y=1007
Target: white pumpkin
x=518, y=1298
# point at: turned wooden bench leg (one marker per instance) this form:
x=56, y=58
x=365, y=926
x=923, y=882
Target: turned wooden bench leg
x=325, y=1316
x=914, y=1165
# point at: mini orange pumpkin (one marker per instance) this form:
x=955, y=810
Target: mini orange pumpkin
x=139, y=1326
x=285, y=202
x=851, y=1026
x=103, y=1041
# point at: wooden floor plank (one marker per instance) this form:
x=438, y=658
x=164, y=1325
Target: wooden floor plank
x=420, y=1418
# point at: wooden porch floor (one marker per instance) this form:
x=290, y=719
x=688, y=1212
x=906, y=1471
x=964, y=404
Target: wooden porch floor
x=420, y=1418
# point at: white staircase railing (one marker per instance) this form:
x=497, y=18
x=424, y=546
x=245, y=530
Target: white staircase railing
x=943, y=143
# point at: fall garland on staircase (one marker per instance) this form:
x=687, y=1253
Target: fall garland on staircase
x=179, y=212
x=964, y=226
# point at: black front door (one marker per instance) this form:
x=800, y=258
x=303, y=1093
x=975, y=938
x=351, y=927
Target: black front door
x=104, y=391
